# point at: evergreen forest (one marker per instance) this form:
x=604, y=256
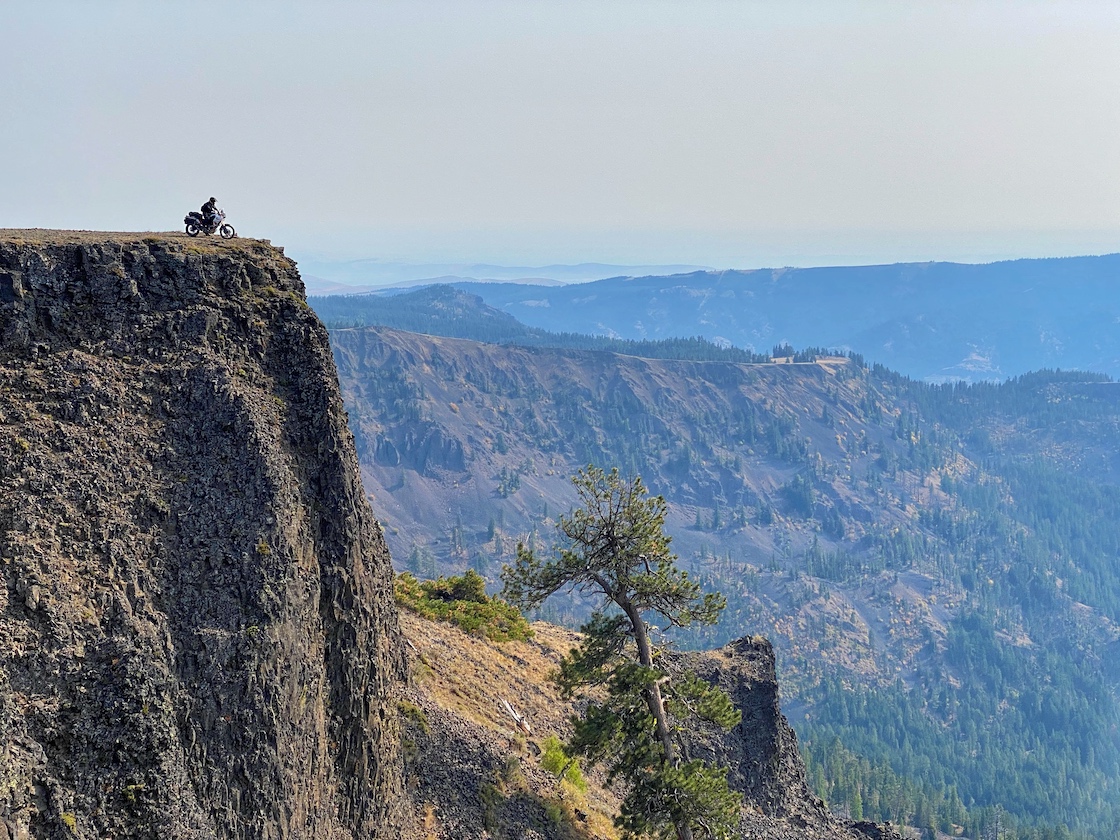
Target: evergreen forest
x=937, y=564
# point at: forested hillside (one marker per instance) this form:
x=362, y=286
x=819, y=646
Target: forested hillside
x=937, y=565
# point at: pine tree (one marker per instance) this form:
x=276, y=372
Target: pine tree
x=614, y=548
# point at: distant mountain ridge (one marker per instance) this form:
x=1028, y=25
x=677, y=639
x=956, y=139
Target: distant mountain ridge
x=446, y=311
x=930, y=321
x=370, y=273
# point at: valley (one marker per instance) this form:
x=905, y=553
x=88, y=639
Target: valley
x=936, y=565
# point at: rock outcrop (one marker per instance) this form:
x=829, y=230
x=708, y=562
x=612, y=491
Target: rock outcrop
x=761, y=752
x=197, y=634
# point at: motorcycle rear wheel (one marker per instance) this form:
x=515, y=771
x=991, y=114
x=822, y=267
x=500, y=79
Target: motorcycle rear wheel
x=192, y=230
x=227, y=231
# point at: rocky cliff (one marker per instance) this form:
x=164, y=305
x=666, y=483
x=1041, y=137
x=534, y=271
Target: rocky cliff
x=197, y=638
x=761, y=752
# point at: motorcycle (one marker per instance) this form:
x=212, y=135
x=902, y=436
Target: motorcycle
x=196, y=224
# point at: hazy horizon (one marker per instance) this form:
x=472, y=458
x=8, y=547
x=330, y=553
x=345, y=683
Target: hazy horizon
x=741, y=135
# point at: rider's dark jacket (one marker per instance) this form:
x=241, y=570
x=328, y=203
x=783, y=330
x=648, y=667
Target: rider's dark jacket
x=209, y=209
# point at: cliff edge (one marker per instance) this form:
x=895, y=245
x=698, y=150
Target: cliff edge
x=197, y=635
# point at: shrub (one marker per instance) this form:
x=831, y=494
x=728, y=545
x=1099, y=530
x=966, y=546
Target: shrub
x=462, y=601
x=413, y=714
x=556, y=761
x=492, y=800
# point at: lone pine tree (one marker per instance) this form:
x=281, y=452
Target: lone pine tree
x=614, y=548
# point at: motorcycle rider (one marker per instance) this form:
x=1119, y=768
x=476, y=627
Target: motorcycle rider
x=210, y=211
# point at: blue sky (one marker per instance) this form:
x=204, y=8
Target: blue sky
x=720, y=133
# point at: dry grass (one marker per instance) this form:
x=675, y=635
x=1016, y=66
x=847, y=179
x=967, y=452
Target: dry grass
x=45, y=236
x=475, y=675
x=470, y=676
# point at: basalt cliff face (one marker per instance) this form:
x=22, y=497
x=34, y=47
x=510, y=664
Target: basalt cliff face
x=197, y=634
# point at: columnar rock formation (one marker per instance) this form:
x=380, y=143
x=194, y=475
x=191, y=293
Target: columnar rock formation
x=197, y=635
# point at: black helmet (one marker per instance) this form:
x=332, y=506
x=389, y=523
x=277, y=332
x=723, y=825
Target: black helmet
x=214, y=200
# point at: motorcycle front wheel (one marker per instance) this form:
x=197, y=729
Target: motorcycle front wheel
x=192, y=230
x=227, y=231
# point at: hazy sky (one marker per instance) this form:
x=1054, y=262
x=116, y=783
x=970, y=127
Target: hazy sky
x=725, y=133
